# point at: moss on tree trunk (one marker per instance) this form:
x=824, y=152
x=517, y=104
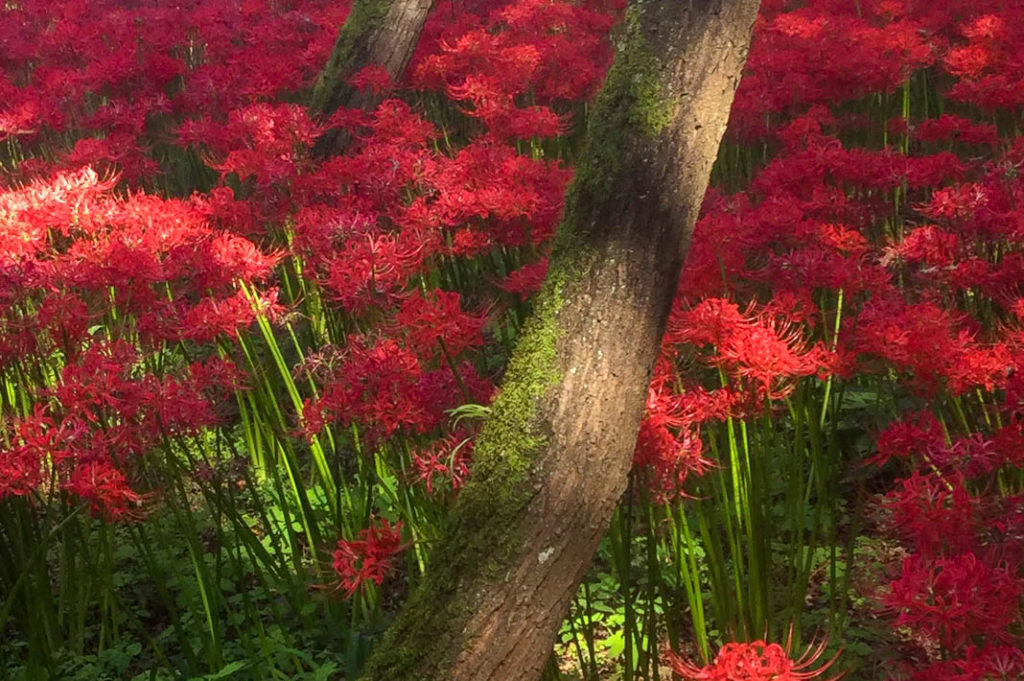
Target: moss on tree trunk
x=553, y=459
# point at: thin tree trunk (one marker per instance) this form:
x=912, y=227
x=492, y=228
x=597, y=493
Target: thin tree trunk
x=382, y=32
x=553, y=459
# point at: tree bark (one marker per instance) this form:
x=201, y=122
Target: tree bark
x=553, y=459
x=382, y=32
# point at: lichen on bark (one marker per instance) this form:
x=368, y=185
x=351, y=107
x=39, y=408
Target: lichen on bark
x=632, y=101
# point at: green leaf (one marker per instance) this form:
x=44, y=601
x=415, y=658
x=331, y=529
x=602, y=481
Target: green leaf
x=227, y=671
x=614, y=644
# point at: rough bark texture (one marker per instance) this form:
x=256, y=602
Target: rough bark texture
x=382, y=32
x=553, y=459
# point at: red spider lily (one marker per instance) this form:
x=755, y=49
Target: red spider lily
x=1008, y=443
x=669, y=457
x=978, y=664
x=958, y=599
x=373, y=78
x=242, y=61
x=367, y=558
x=755, y=661
x=930, y=245
x=936, y=514
x=373, y=271
x=520, y=198
x=439, y=318
x=916, y=433
x=379, y=386
x=759, y=349
x=556, y=51
x=948, y=126
x=106, y=490
x=213, y=317
x=446, y=460
x=929, y=341
x=931, y=295
x=669, y=444
x=21, y=471
x=526, y=280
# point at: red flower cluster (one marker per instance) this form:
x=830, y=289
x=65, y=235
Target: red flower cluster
x=112, y=285
x=754, y=661
x=368, y=558
x=66, y=74
x=384, y=388
x=834, y=52
x=93, y=287
x=554, y=52
x=446, y=460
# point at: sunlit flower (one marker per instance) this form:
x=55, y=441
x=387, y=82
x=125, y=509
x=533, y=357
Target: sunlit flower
x=755, y=661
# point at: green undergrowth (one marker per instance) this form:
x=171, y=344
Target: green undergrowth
x=265, y=624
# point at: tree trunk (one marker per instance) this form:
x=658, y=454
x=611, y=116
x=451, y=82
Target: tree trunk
x=553, y=459
x=382, y=32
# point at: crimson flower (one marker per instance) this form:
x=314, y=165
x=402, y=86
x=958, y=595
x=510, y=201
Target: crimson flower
x=755, y=661
x=367, y=558
x=105, y=489
x=373, y=78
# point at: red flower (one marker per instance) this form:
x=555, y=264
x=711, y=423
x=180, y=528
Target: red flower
x=755, y=661
x=367, y=558
x=935, y=513
x=446, y=459
x=106, y=490
x=526, y=280
x=373, y=78
x=762, y=350
x=436, y=318
x=21, y=471
x=957, y=599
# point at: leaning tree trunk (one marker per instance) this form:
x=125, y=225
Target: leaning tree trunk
x=381, y=32
x=553, y=459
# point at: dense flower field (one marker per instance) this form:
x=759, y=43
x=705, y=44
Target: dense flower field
x=240, y=381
